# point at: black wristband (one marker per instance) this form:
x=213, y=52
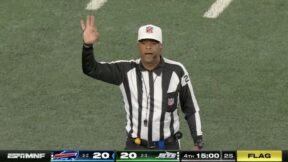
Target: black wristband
x=87, y=45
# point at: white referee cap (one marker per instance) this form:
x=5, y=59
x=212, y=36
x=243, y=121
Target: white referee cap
x=150, y=32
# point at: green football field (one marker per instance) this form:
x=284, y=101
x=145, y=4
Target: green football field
x=237, y=63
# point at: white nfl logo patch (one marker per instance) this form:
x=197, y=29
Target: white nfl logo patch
x=170, y=101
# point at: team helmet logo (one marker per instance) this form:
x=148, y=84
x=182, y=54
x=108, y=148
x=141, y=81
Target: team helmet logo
x=149, y=29
x=65, y=155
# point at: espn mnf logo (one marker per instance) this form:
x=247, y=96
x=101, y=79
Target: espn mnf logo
x=26, y=155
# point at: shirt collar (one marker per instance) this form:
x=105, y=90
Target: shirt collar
x=157, y=69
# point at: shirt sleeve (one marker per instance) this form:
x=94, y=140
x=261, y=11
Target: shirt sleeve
x=190, y=107
x=107, y=72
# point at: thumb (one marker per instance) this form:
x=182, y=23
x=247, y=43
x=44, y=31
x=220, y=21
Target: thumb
x=82, y=25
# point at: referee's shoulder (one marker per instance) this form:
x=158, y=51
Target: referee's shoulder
x=132, y=61
x=174, y=64
x=124, y=65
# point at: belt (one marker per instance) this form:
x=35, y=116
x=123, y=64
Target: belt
x=156, y=144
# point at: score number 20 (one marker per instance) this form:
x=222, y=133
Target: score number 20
x=128, y=155
x=101, y=155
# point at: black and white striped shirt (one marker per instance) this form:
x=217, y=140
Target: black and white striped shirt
x=151, y=97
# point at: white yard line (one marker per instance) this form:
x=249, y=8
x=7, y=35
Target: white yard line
x=95, y=4
x=217, y=8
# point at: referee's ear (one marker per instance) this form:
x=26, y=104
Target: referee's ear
x=161, y=46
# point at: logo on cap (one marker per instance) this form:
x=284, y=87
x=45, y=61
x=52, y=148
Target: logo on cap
x=149, y=29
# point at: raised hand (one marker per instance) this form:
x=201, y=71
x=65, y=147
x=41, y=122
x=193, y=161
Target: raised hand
x=90, y=34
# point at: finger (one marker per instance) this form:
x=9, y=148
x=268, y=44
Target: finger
x=82, y=25
x=87, y=21
x=92, y=21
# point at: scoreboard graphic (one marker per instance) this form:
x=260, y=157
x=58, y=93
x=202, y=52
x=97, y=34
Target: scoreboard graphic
x=148, y=156
x=82, y=156
x=142, y=156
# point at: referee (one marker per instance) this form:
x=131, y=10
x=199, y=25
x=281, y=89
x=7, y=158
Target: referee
x=152, y=88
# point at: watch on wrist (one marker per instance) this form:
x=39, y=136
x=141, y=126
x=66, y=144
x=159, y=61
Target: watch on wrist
x=199, y=143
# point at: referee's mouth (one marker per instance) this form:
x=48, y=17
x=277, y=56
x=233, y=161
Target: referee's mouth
x=148, y=53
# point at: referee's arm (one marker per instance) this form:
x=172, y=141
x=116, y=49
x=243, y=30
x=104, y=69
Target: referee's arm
x=107, y=72
x=190, y=108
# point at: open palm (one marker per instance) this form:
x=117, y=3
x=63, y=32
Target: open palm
x=90, y=34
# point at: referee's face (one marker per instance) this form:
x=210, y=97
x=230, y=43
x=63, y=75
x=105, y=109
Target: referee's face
x=150, y=51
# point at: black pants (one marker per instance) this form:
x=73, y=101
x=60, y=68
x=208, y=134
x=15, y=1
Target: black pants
x=130, y=145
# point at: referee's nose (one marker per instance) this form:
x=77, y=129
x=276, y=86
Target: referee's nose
x=148, y=46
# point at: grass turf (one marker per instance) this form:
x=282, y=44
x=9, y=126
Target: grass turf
x=237, y=63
